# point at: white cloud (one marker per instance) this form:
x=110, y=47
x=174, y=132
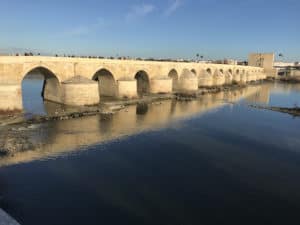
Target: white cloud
x=139, y=11
x=173, y=7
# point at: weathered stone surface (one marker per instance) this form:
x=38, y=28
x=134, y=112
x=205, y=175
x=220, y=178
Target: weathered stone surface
x=10, y=97
x=127, y=88
x=161, y=85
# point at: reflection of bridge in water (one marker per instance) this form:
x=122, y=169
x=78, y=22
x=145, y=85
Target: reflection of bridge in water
x=59, y=137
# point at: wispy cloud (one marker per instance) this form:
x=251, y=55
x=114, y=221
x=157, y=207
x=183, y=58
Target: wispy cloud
x=86, y=29
x=138, y=11
x=175, y=4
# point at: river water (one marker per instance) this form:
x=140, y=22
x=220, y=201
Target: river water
x=211, y=161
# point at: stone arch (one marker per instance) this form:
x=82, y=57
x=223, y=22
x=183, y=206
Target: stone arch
x=243, y=76
x=51, y=88
x=106, y=82
x=236, y=76
x=228, y=76
x=208, y=71
x=221, y=71
x=42, y=68
x=194, y=71
x=143, y=82
x=174, y=76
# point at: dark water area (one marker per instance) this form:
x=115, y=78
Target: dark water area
x=181, y=163
x=32, y=96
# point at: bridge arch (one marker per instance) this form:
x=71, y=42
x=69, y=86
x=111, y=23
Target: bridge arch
x=173, y=74
x=209, y=71
x=228, y=76
x=107, y=83
x=194, y=71
x=39, y=84
x=143, y=82
x=43, y=69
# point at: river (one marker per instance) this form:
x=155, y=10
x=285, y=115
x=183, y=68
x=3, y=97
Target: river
x=210, y=161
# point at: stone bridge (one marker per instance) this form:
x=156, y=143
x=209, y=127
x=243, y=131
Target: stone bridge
x=82, y=81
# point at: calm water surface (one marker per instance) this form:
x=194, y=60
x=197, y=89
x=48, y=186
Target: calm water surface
x=202, y=162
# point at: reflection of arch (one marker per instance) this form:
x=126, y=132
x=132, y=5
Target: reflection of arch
x=143, y=84
x=107, y=83
x=174, y=76
x=51, y=89
x=141, y=109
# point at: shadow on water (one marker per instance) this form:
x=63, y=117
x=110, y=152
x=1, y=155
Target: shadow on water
x=141, y=109
x=198, y=162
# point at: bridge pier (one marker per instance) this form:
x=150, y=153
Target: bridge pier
x=80, y=91
x=10, y=97
x=127, y=88
x=228, y=79
x=188, y=83
x=219, y=80
x=205, y=81
x=161, y=85
x=237, y=78
x=243, y=78
x=52, y=90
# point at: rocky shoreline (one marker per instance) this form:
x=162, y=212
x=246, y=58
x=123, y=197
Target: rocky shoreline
x=295, y=111
x=291, y=80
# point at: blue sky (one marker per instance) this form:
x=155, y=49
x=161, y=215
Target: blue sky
x=153, y=28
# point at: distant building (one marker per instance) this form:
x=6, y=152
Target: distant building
x=283, y=64
x=263, y=60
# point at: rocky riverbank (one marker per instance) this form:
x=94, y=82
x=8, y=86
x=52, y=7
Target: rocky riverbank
x=295, y=111
x=292, y=80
